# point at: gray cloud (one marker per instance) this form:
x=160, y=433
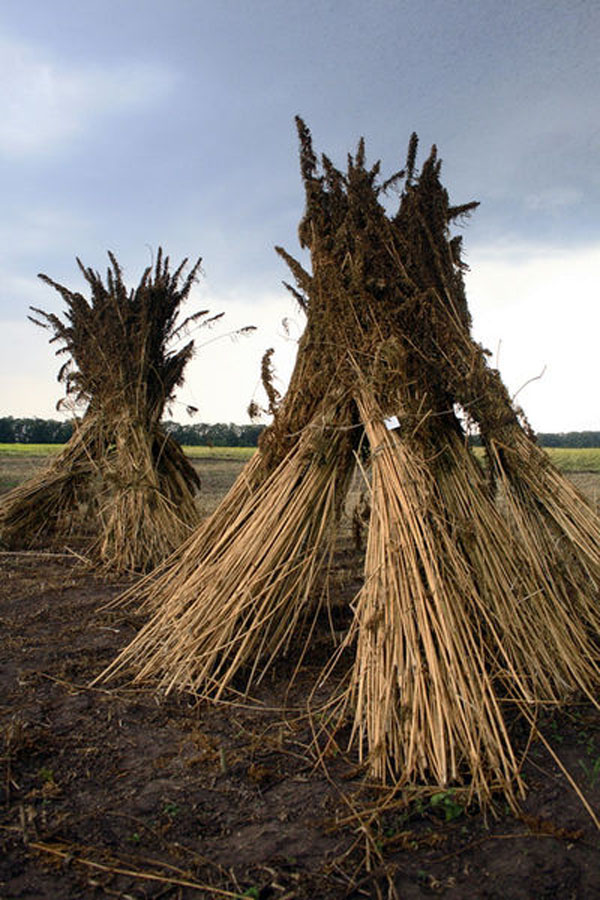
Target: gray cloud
x=47, y=102
x=143, y=123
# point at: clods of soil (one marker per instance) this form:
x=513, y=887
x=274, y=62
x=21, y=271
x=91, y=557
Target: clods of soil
x=115, y=791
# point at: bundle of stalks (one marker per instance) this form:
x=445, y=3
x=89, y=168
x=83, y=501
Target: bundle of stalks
x=425, y=701
x=543, y=506
x=55, y=499
x=275, y=445
x=453, y=621
x=121, y=479
x=537, y=647
x=467, y=604
x=242, y=605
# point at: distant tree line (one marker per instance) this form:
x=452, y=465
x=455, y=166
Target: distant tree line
x=50, y=431
x=219, y=435
x=34, y=431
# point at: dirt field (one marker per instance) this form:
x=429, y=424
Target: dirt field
x=117, y=792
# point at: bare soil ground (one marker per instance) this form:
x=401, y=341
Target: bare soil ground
x=113, y=791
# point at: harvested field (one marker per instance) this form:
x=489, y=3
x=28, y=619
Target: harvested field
x=120, y=793
x=218, y=468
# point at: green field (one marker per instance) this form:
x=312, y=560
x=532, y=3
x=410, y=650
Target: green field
x=568, y=459
x=26, y=450
x=241, y=453
x=564, y=458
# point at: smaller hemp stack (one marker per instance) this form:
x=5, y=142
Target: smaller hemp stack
x=121, y=481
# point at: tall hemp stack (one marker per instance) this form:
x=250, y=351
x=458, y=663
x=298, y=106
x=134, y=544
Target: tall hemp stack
x=468, y=603
x=121, y=477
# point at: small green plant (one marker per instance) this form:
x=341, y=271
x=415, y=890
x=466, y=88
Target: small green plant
x=445, y=802
x=556, y=735
x=252, y=892
x=46, y=775
x=588, y=739
x=592, y=770
x=171, y=810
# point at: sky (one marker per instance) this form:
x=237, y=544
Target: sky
x=126, y=125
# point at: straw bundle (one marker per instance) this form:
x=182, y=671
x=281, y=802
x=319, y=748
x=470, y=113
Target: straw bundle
x=424, y=699
x=543, y=507
x=467, y=604
x=451, y=622
x=121, y=478
x=242, y=603
x=55, y=499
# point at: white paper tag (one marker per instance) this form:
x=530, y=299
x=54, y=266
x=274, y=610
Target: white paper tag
x=391, y=422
